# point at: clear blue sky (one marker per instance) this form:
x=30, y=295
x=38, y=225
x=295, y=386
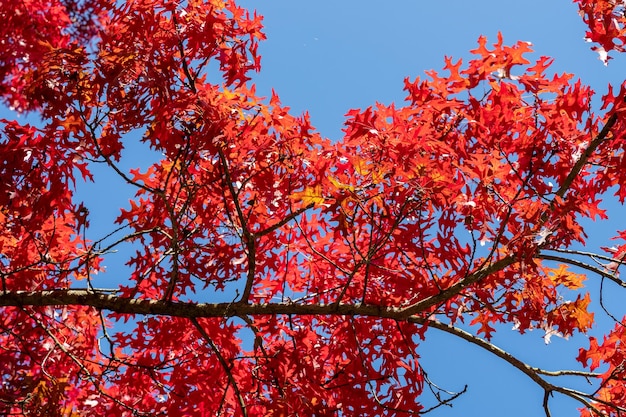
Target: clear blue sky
x=327, y=57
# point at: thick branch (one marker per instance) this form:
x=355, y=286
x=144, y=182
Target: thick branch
x=124, y=305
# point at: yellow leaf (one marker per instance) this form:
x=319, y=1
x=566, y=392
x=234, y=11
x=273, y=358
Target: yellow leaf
x=169, y=165
x=437, y=177
x=363, y=168
x=378, y=176
x=340, y=185
x=229, y=95
x=605, y=395
x=72, y=123
x=310, y=195
x=360, y=166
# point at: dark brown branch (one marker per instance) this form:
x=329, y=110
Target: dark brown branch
x=247, y=238
x=112, y=302
x=284, y=221
x=94, y=379
x=600, y=271
x=533, y=373
x=584, y=158
x=455, y=289
x=225, y=365
x=526, y=369
x=591, y=255
x=124, y=305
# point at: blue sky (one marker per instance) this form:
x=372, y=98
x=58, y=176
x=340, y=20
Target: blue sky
x=328, y=57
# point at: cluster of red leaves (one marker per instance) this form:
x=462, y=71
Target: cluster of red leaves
x=606, y=23
x=612, y=391
x=608, y=358
x=455, y=193
x=40, y=243
x=479, y=149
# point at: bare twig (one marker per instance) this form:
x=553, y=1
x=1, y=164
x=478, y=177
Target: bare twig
x=533, y=373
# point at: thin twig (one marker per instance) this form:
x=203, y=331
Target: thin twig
x=227, y=368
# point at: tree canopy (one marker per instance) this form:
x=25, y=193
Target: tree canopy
x=272, y=271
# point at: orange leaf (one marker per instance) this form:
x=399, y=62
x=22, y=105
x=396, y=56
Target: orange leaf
x=310, y=195
x=562, y=276
x=340, y=185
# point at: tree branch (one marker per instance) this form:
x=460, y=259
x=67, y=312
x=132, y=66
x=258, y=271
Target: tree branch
x=455, y=289
x=224, y=363
x=583, y=265
x=124, y=305
x=531, y=372
x=593, y=145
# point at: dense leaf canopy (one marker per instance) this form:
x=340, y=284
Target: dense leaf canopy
x=272, y=271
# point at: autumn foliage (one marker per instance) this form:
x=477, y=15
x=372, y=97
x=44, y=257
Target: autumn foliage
x=271, y=271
